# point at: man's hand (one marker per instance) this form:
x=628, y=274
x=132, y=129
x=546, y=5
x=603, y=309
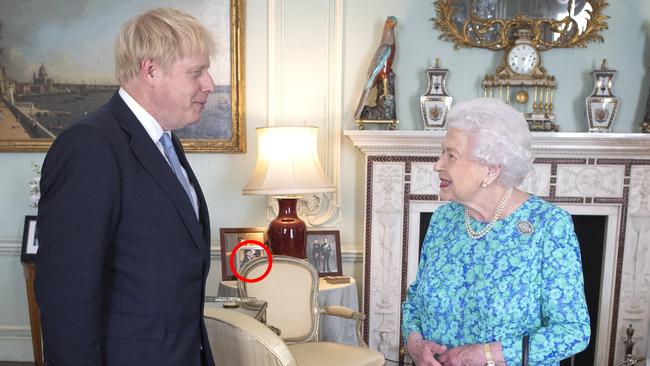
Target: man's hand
x=422, y=351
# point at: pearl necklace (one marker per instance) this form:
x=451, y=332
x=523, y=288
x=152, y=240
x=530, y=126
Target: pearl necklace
x=479, y=234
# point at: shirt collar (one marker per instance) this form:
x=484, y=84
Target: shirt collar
x=148, y=122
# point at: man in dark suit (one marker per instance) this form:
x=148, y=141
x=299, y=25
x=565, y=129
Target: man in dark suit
x=123, y=224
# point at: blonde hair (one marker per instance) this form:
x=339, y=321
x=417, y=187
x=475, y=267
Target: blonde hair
x=162, y=34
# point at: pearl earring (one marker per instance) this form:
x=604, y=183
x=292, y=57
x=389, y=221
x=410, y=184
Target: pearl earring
x=483, y=184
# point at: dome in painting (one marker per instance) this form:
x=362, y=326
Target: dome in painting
x=42, y=72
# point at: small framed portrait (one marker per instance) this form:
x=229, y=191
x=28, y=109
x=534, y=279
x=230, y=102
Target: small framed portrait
x=30, y=240
x=324, y=252
x=229, y=238
x=247, y=253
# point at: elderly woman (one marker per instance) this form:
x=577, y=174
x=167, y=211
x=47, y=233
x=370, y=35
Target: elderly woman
x=497, y=263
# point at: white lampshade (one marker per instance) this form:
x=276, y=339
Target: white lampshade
x=287, y=163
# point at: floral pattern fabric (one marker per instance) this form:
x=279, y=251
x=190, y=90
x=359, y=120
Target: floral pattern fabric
x=509, y=283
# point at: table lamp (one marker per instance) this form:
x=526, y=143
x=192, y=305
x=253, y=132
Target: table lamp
x=287, y=166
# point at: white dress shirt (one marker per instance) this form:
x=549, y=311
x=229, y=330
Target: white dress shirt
x=155, y=132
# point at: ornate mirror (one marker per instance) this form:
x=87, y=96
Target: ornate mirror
x=492, y=23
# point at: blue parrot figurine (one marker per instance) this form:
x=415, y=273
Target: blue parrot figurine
x=381, y=65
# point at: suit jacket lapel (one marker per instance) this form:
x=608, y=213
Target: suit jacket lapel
x=152, y=160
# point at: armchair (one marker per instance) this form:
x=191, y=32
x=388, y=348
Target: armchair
x=237, y=339
x=291, y=292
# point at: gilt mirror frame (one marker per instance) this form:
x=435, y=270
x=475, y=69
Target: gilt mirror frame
x=225, y=129
x=496, y=34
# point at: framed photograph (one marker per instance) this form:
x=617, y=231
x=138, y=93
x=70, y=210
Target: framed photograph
x=57, y=65
x=247, y=253
x=30, y=240
x=324, y=252
x=229, y=238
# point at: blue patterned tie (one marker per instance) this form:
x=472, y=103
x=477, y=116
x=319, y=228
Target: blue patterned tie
x=170, y=153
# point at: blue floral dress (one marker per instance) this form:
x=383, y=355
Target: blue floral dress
x=524, y=276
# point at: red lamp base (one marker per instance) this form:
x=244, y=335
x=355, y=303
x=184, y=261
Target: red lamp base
x=288, y=233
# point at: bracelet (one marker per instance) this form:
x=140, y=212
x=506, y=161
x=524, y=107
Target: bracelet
x=488, y=355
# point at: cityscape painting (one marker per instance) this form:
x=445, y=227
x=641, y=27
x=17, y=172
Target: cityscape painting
x=57, y=65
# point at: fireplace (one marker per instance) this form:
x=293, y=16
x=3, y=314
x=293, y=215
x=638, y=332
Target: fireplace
x=606, y=176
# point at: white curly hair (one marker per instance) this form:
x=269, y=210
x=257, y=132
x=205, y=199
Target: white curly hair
x=499, y=134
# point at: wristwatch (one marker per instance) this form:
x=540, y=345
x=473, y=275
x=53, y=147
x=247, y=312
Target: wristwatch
x=488, y=355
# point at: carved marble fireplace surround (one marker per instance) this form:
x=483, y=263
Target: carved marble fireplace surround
x=584, y=173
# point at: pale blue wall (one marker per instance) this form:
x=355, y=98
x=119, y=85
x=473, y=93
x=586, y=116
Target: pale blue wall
x=222, y=176
x=626, y=47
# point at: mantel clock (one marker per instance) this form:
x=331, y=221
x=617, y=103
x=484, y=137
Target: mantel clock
x=522, y=29
x=519, y=75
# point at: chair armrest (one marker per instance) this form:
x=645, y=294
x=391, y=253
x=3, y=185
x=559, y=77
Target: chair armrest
x=345, y=312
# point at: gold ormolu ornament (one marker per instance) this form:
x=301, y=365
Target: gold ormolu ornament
x=521, y=70
x=521, y=97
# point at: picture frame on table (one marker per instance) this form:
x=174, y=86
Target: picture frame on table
x=30, y=240
x=230, y=238
x=324, y=252
x=247, y=253
x=58, y=80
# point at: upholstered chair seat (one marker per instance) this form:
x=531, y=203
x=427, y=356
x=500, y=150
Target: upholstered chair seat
x=328, y=354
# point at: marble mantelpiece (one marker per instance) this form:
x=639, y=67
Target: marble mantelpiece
x=585, y=173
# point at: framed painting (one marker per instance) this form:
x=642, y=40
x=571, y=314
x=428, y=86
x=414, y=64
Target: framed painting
x=57, y=65
x=30, y=240
x=324, y=252
x=229, y=238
